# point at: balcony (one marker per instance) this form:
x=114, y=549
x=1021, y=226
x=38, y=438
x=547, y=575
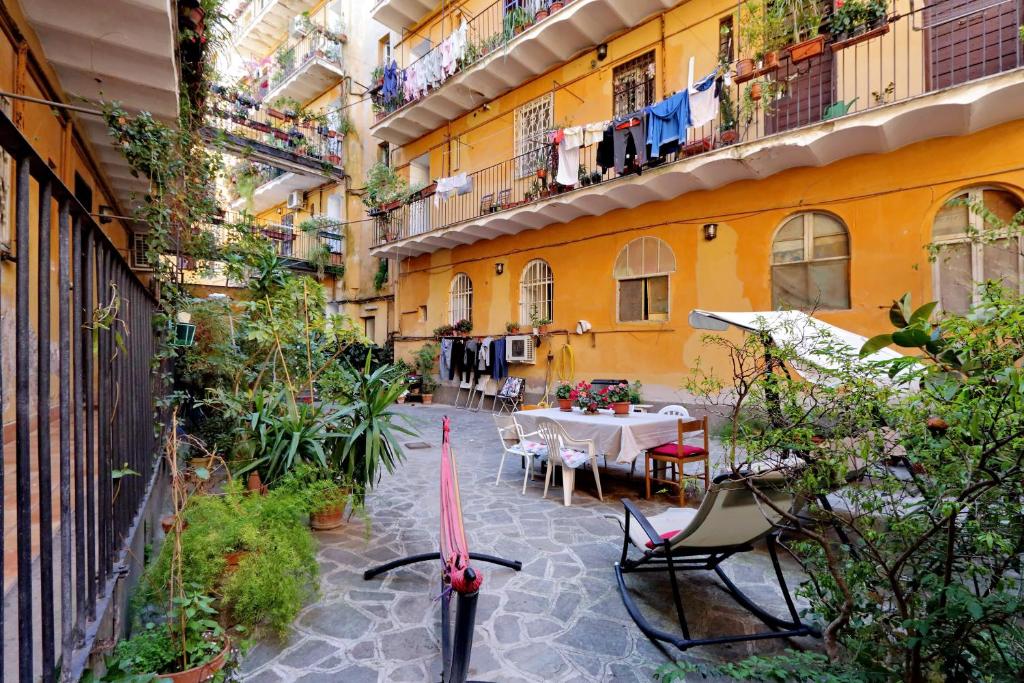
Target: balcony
x=297, y=141
x=854, y=99
x=501, y=58
x=313, y=245
x=401, y=15
x=275, y=189
x=264, y=23
x=306, y=67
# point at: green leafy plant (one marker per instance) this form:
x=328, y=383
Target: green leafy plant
x=380, y=278
x=425, y=359
x=384, y=185
x=636, y=392
x=563, y=391
x=465, y=326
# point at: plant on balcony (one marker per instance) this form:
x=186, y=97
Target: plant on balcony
x=464, y=326
x=763, y=33
x=854, y=17
x=516, y=19
x=443, y=331
x=384, y=187
x=727, y=118
x=803, y=18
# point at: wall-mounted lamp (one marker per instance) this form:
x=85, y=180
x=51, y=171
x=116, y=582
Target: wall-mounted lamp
x=499, y=268
x=105, y=214
x=602, y=51
x=710, y=231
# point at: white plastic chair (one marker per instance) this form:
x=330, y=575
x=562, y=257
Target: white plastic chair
x=680, y=411
x=468, y=387
x=514, y=441
x=479, y=393
x=559, y=444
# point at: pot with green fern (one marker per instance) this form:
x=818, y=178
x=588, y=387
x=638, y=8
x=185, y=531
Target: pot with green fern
x=327, y=500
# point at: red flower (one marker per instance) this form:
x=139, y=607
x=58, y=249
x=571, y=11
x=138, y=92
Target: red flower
x=840, y=3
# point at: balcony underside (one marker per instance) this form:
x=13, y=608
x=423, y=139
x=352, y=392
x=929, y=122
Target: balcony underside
x=94, y=61
x=269, y=25
x=308, y=81
x=957, y=111
x=556, y=40
x=258, y=151
x=399, y=15
x=270, y=194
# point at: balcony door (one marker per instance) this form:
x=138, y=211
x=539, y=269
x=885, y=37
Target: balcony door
x=970, y=39
x=809, y=90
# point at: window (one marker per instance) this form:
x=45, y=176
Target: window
x=962, y=264
x=811, y=263
x=370, y=328
x=285, y=243
x=384, y=153
x=384, y=49
x=140, y=251
x=633, y=85
x=642, y=269
x=533, y=121
x=423, y=314
x=536, y=291
x=460, y=299
x=726, y=48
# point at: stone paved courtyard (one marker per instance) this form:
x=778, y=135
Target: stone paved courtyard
x=560, y=619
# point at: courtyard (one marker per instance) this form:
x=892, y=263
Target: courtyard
x=559, y=619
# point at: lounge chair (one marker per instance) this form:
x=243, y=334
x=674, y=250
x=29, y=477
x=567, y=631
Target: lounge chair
x=729, y=520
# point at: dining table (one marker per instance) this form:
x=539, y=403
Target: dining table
x=624, y=437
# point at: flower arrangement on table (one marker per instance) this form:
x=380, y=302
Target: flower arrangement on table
x=618, y=396
x=588, y=400
x=564, y=395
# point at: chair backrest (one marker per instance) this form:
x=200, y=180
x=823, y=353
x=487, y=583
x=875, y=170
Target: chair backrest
x=504, y=198
x=732, y=515
x=486, y=202
x=674, y=410
x=507, y=429
x=550, y=433
x=691, y=425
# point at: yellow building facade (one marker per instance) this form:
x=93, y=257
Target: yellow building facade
x=815, y=205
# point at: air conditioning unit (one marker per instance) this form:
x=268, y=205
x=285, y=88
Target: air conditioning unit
x=296, y=199
x=300, y=26
x=520, y=349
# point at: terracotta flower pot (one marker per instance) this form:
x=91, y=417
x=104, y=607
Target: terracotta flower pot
x=621, y=407
x=807, y=49
x=198, y=674
x=233, y=558
x=755, y=92
x=428, y=399
x=556, y=5
x=771, y=60
x=744, y=67
x=729, y=136
x=254, y=483
x=324, y=521
x=565, y=405
x=541, y=14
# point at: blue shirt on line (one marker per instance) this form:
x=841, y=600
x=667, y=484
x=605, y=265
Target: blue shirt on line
x=667, y=121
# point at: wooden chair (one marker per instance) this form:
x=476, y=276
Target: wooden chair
x=664, y=464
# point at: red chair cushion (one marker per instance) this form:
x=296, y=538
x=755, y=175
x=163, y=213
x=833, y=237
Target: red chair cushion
x=673, y=449
x=667, y=535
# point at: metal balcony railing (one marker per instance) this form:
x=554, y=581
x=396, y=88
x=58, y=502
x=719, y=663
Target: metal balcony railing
x=911, y=53
x=84, y=403
x=318, y=43
x=316, y=244
x=282, y=135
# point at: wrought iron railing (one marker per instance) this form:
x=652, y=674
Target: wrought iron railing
x=314, y=244
x=88, y=378
x=318, y=43
x=912, y=53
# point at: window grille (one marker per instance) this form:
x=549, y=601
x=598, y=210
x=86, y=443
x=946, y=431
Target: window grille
x=536, y=291
x=633, y=85
x=533, y=121
x=460, y=299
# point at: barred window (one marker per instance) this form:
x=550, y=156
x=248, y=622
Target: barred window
x=962, y=262
x=533, y=121
x=811, y=263
x=460, y=299
x=536, y=291
x=633, y=85
x=140, y=251
x=642, y=270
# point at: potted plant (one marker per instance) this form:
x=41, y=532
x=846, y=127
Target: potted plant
x=564, y=395
x=618, y=396
x=763, y=31
x=464, y=326
x=538, y=321
x=425, y=359
x=326, y=500
x=636, y=390
x=444, y=331
x=854, y=21
x=804, y=19
x=541, y=13
x=727, y=118
x=556, y=5
x=516, y=19
x=583, y=397
x=512, y=327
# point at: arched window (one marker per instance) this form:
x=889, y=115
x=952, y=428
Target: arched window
x=961, y=264
x=642, y=269
x=536, y=292
x=811, y=263
x=460, y=299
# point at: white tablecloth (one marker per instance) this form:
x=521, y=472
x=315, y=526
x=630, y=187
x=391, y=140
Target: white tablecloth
x=625, y=438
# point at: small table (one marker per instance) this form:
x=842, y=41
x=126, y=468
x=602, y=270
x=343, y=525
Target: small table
x=624, y=438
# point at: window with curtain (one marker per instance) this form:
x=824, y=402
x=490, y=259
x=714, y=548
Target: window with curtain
x=536, y=291
x=962, y=264
x=811, y=263
x=642, y=271
x=533, y=120
x=460, y=299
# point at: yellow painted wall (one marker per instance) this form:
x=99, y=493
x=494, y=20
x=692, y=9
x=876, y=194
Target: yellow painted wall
x=887, y=201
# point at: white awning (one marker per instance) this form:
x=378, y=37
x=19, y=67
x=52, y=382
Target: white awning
x=799, y=331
